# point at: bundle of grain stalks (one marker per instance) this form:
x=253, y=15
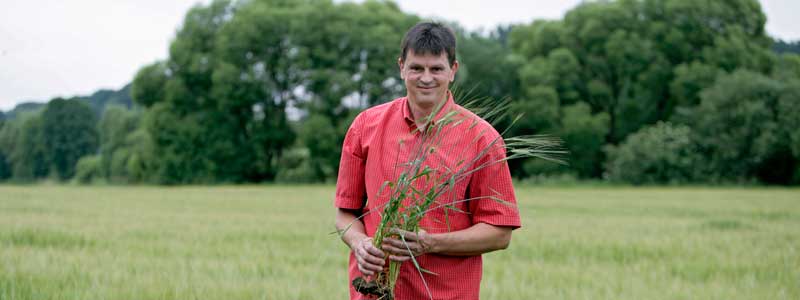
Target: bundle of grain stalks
x=420, y=188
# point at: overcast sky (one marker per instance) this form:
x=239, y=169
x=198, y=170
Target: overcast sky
x=51, y=48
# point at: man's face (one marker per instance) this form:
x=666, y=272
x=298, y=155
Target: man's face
x=427, y=77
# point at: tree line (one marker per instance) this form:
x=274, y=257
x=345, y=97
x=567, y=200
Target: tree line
x=641, y=91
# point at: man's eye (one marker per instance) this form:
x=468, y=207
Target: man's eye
x=437, y=69
x=416, y=69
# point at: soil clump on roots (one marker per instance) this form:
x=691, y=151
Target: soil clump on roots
x=372, y=288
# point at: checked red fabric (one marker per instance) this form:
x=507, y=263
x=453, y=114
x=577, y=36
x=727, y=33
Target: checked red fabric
x=378, y=142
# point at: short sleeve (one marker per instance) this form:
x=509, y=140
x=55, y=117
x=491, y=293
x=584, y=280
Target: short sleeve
x=350, y=186
x=493, y=180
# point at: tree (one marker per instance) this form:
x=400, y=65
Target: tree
x=148, y=84
x=637, y=61
x=787, y=67
x=584, y=137
x=69, y=133
x=690, y=80
x=216, y=108
x=23, y=108
x=540, y=114
x=738, y=129
x=190, y=132
x=781, y=46
x=788, y=122
x=103, y=98
x=5, y=168
x=116, y=124
x=22, y=141
x=486, y=66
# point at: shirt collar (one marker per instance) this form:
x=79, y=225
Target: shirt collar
x=410, y=117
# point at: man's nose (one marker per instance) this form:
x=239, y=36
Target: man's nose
x=426, y=77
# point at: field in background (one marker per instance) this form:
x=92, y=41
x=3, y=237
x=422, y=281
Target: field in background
x=274, y=242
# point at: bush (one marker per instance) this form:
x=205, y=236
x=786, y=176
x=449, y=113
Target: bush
x=88, y=169
x=663, y=153
x=324, y=144
x=533, y=167
x=295, y=167
x=140, y=163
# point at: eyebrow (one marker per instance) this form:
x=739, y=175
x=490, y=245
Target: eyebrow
x=414, y=64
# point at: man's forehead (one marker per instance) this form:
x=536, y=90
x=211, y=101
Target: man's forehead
x=425, y=56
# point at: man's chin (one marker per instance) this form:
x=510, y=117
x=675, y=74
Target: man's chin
x=427, y=97
x=425, y=100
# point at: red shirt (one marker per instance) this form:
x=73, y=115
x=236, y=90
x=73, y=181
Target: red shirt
x=379, y=140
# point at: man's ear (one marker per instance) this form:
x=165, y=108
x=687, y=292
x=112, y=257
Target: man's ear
x=455, y=69
x=400, y=64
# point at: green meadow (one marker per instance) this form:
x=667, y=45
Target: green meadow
x=275, y=242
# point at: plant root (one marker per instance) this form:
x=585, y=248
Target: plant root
x=372, y=288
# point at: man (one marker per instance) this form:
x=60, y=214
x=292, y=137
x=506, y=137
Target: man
x=381, y=137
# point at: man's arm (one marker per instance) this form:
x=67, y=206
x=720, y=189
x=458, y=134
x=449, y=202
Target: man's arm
x=351, y=229
x=475, y=240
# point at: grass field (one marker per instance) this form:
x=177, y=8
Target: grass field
x=273, y=242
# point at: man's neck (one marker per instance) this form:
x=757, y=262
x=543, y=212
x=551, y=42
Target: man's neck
x=420, y=113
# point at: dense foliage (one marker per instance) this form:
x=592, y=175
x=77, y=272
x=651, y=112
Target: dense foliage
x=218, y=107
x=641, y=91
x=663, y=153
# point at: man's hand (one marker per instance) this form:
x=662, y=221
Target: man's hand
x=475, y=240
x=370, y=260
x=407, y=244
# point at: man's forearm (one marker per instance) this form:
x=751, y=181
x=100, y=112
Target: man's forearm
x=475, y=240
x=350, y=228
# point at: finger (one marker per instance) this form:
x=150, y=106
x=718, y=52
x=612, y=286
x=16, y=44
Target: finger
x=399, y=258
x=392, y=250
x=366, y=257
x=365, y=265
x=373, y=268
x=362, y=265
x=391, y=241
x=403, y=248
x=374, y=251
x=387, y=247
x=408, y=235
x=361, y=261
x=374, y=260
x=399, y=242
x=366, y=245
x=365, y=271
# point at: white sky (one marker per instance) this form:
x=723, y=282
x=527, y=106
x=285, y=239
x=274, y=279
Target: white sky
x=51, y=48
